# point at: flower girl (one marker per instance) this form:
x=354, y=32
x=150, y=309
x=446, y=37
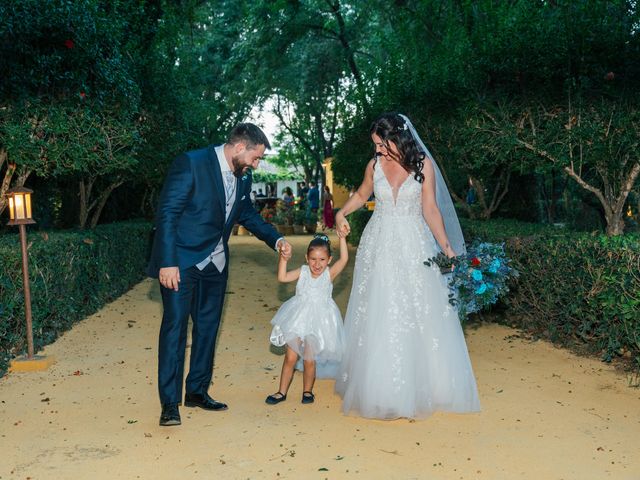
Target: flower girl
x=309, y=323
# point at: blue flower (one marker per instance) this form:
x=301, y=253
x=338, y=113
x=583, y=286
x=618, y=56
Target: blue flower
x=495, y=265
x=476, y=275
x=470, y=292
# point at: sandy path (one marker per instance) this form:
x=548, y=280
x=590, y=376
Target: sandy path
x=547, y=414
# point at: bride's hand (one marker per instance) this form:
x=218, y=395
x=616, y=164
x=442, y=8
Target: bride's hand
x=449, y=252
x=342, y=225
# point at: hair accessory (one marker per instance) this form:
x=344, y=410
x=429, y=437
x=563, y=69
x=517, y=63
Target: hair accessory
x=321, y=236
x=403, y=127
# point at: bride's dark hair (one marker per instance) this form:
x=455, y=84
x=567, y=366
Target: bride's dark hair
x=391, y=127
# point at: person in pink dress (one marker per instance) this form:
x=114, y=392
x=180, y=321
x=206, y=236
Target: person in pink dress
x=327, y=212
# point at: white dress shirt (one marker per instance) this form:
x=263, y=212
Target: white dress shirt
x=230, y=182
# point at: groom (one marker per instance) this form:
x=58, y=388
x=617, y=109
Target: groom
x=205, y=193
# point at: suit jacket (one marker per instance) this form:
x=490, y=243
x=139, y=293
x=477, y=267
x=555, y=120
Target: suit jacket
x=191, y=213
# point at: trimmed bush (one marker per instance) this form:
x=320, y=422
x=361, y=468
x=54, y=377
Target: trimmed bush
x=72, y=275
x=575, y=289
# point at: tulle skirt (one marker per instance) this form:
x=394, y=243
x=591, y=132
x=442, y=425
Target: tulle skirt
x=311, y=327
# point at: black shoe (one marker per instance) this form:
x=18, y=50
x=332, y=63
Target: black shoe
x=203, y=401
x=170, y=415
x=275, y=398
x=308, y=397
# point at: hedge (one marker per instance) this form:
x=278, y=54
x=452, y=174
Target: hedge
x=72, y=275
x=579, y=290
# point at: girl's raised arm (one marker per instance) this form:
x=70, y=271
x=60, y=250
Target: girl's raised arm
x=339, y=265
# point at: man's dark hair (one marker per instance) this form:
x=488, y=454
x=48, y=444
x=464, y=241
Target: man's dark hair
x=312, y=183
x=250, y=134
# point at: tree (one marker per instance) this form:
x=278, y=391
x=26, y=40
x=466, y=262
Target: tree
x=69, y=80
x=595, y=142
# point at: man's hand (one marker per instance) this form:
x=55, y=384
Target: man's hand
x=285, y=249
x=169, y=277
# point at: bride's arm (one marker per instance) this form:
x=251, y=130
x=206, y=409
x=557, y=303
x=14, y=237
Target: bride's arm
x=356, y=201
x=431, y=212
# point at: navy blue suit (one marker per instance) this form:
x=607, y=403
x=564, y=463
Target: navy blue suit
x=189, y=224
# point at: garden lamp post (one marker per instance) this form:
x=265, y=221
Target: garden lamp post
x=20, y=214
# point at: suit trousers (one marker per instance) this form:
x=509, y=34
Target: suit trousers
x=201, y=296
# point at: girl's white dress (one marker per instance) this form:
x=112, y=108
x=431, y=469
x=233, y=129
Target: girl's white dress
x=310, y=321
x=406, y=354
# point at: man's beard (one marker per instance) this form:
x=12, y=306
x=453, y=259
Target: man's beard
x=238, y=169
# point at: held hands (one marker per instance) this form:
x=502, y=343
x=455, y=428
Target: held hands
x=285, y=250
x=342, y=226
x=169, y=277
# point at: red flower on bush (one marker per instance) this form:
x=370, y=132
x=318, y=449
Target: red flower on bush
x=69, y=43
x=475, y=261
x=83, y=95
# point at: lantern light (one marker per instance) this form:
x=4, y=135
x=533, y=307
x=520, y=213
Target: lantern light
x=20, y=206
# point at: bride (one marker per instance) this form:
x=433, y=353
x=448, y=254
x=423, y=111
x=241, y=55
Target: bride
x=406, y=356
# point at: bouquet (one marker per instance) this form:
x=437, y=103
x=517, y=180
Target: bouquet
x=478, y=278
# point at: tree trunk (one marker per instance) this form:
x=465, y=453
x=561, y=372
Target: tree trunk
x=85, y=195
x=101, y=202
x=500, y=190
x=19, y=179
x=613, y=206
x=6, y=181
x=615, y=223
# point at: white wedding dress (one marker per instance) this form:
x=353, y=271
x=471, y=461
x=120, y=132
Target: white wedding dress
x=405, y=351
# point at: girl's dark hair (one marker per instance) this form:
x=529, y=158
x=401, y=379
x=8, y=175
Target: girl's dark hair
x=319, y=241
x=391, y=127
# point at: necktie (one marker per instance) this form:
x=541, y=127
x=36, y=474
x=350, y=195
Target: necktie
x=229, y=184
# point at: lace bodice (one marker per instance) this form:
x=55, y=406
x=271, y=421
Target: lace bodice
x=408, y=200
x=315, y=288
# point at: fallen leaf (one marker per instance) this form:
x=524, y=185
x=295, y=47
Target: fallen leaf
x=394, y=452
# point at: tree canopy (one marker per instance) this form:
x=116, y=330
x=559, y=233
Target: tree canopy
x=532, y=104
